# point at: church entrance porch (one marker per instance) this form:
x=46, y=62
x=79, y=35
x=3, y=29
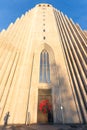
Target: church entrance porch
x=45, y=111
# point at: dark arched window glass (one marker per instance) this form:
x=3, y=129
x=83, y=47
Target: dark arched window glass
x=44, y=67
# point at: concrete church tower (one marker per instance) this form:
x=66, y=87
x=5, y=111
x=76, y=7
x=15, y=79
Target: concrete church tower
x=43, y=57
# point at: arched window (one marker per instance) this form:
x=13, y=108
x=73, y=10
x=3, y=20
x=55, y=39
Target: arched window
x=44, y=67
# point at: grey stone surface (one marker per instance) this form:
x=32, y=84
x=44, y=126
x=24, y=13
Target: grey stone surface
x=45, y=127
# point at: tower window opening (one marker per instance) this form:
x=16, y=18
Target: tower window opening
x=44, y=67
x=48, y=5
x=44, y=37
x=39, y=5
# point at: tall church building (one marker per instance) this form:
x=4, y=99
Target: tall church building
x=43, y=69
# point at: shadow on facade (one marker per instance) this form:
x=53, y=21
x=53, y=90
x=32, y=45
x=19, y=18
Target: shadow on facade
x=65, y=110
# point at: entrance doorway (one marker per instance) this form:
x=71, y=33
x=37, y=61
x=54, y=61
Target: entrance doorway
x=45, y=111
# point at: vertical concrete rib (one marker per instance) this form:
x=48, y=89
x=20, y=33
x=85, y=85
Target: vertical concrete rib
x=78, y=62
x=7, y=84
x=76, y=44
x=70, y=70
x=2, y=73
x=81, y=64
x=81, y=43
x=7, y=103
x=75, y=66
x=82, y=36
x=75, y=58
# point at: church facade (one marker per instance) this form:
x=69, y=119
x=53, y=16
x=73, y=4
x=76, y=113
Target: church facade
x=43, y=68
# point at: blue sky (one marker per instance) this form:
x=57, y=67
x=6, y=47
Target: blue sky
x=11, y=9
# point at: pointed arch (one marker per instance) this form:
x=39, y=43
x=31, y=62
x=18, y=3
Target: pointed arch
x=44, y=67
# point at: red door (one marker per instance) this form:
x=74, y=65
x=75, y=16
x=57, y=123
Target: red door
x=44, y=107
